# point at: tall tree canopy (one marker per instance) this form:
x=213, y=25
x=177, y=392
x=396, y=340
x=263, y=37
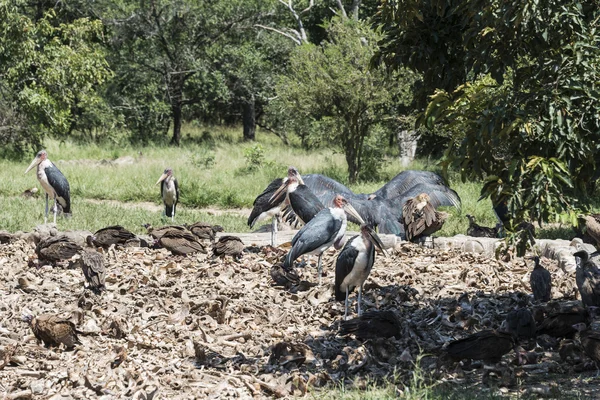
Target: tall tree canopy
x=517, y=84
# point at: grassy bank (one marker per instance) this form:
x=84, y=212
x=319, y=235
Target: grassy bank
x=215, y=169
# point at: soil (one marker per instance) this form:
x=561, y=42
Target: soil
x=196, y=327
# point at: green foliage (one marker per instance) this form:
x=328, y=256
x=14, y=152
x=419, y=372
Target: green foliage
x=330, y=92
x=519, y=94
x=51, y=72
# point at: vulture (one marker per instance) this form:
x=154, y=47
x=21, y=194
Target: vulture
x=520, y=324
x=53, y=330
x=590, y=342
x=372, y=325
x=420, y=217
x=587, y=277
x=169, y=191
x=560, y=323
x=157, y=233
x=228, y=246
x=477, y=230
x=91, y=263
x=488, y=345
x=56, y=248
x=204, y=230
x=540, y=281
x=354, y=263
x=110, y=235
x=181, y=242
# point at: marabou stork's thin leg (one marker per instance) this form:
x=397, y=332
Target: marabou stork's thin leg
x=55, y=209
x=320, y=267
x=346, y=303
x=274, y=231
x=46, y=215
x=359, y=300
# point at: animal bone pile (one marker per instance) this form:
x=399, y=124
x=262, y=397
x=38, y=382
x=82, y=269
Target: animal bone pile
x=185, y=327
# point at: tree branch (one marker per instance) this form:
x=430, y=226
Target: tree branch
x=342, y=9
x=296, y=40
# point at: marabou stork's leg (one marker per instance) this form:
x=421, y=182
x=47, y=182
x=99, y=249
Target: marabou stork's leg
x=55, y=209
x=274, y=223
x=46, y=215
x=359, y=300
x=346, y=303
x=173, y=214
x=320, y=267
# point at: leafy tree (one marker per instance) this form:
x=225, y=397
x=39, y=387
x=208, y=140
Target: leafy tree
x=518, y=87
x=331, y=91
x=47, y=69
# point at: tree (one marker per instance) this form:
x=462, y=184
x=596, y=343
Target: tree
x=330, y=90
x=518, y=89
x=47, y=70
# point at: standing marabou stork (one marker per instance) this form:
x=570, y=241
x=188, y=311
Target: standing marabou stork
x=303, y=202
x=327, y=228
x=269, y=204
x=354, y=264
x=54, y=183
x=169, y=190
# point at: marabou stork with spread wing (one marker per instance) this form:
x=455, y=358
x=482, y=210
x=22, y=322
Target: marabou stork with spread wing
x=327, y=228
x=169, y=191
x=54, y=183
x=354, y=264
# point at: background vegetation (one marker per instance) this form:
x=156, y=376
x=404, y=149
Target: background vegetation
x=505, y=91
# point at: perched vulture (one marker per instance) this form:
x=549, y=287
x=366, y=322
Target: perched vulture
x=228, y=246
x=373, y=324
x=587, y=277
x=181, y=242
x=520, y=324
x=420, y=217
x=204, y=230
x=540, y=281
x=592, y=226
x=110, y=235
x=56, y=248
x=6, y=237
x=92, y=264
x=477, y=230
x=53, y=330
x=157, y=233
x=488, y=345
x=560, y=323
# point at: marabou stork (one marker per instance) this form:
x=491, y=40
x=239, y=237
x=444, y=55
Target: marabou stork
x=303, y=202
x=354, y=264
x=169, y=191
x=587, y=277
x=327, y=228
x=54, y=183
x=406, y=180
x=267, y=204
x=420, y=217
x=540, y=281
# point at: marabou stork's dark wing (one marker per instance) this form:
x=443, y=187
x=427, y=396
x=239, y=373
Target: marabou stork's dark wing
x=372, y=325
x=176, y=190
x=439, y=195
x=59, y=183
x=326, y=189
x=319, y=231
x=304, y=203
x=378, y=212
x=343, y=266
x=263, y=202
x=405, y=180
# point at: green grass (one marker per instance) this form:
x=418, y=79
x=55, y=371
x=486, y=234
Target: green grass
x=212, y=169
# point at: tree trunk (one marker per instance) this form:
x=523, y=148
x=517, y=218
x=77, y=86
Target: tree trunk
x=249, y=119
x=351, y=158
x=176, y=108
x=407, y=143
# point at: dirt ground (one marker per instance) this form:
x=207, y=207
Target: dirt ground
x=195, y=327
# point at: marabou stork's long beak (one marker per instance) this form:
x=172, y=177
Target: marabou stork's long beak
x=374, y=238
x=34, y=163
x=281, y=189
x=352, y=212
x=162, y=178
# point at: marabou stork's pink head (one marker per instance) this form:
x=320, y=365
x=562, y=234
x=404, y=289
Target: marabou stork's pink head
x=167, y=173
x=39, y=157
